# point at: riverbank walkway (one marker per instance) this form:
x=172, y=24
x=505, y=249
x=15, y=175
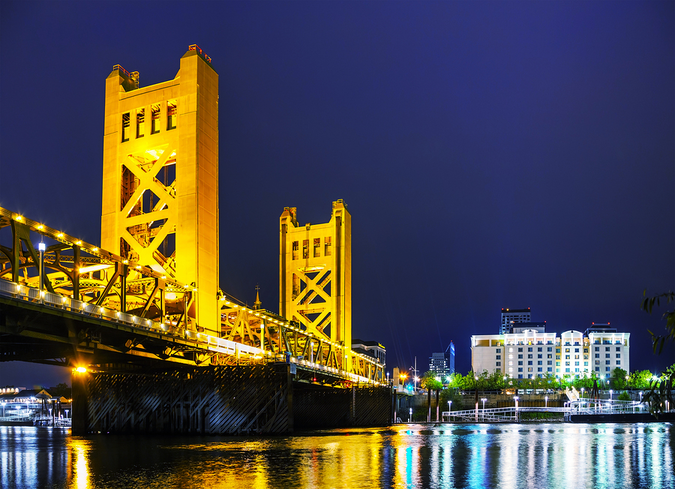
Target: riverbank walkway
x=512, y=414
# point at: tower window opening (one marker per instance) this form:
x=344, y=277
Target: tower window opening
x=140, y=123
x=327, y=248
x=295, y=250
x=156, y=111
x=317, y=247
x=126, y=122
x=171, y=113
x=305, y=249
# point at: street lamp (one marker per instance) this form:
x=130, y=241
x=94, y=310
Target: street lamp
x=449, y=405
x=515, y=398
x=42, y=248
x=483, y=399
x=546, y=402
x=610, y=394
x=640, y=396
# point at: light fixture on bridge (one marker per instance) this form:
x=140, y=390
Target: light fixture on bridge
x=94, y=268
x=80, y=370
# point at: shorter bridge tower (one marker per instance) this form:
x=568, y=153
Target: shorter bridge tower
x=315, y=276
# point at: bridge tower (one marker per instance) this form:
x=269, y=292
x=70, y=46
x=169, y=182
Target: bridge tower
x=315, y=274
x=160, y=177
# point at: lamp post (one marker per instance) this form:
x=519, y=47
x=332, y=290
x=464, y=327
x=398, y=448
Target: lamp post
x=546, y=402
x=610, y=394
x=515, y=398
x=483, y=399
x=410, y=416
x=262, y=337
x=41, y=247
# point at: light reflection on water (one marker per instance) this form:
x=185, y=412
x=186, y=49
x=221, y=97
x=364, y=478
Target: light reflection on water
x=404, y=456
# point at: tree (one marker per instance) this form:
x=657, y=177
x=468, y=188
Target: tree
x=639, y=379
x=429, y=381
x=647, y=305
x=619, y=378
x=660, y=395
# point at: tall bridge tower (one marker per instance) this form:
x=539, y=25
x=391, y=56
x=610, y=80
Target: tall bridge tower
x=160, y=177
x=315, y=274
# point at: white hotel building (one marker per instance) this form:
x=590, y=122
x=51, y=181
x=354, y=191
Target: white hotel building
x=530, y=353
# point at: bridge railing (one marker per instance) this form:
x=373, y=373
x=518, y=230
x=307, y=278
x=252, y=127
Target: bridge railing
x=222, y=346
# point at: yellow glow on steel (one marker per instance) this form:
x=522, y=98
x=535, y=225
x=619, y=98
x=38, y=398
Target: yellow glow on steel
x=60, y=235
x=80, y=370
x=94, y=268
x=40, y=227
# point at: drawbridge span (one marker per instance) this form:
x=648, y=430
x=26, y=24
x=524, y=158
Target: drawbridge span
x=68, y=302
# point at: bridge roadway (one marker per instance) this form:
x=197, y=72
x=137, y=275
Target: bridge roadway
x=46, y=327
x=69, y=302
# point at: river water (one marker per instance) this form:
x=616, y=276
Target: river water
x=402, y=456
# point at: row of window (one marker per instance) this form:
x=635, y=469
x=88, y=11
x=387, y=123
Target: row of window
x=316, y=248
x=155, y=120
x=531, y=369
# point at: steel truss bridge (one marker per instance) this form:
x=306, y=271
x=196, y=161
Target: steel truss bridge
x=71, y=303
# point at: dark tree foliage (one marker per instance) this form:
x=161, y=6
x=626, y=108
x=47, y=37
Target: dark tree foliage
x=660, y=395
x=647, y=305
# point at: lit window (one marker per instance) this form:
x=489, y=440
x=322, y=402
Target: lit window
x=326, y=246
x=171, y=114
x=317, y=247
x=295, y=250
x=126, y=122
x=305, y=249
x=140, y=123
x=155, y=118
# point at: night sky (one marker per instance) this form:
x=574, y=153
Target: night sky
x=492, y=154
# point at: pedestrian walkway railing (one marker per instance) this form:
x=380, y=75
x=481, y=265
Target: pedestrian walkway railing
x=512, y=414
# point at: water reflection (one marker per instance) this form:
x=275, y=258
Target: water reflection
x=541, y=455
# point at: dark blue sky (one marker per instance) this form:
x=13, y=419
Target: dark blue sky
x=492, y=154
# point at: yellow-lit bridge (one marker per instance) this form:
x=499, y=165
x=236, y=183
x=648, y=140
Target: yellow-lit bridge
x=162, y=347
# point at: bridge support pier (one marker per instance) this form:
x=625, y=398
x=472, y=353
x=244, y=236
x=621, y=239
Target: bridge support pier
x=259, y=399
x=79, y=382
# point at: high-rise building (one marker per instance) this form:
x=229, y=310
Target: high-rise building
x=513, y=316
x=443, y=364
